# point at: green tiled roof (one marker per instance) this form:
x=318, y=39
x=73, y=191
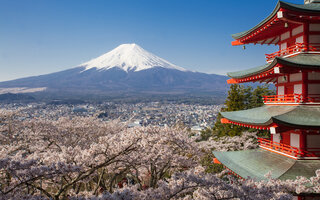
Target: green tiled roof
x=301, y=61
x=301, y=116
x=258, y=162
x=305, y=168
x=288, y=115
x=307, y=8
x=250, y=72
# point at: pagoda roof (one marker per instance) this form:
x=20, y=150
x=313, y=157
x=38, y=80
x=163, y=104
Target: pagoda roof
x=257, y=163
x=311, y=8
x=309, y=61
x=296, y=116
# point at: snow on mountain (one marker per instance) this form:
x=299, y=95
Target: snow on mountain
x=129, y=57
x=150, y=75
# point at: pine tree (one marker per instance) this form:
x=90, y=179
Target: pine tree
x=236, y=100
x=239, y=98
x=256, y=99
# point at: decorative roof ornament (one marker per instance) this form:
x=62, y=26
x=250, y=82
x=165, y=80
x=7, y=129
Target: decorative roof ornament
x=311, y=1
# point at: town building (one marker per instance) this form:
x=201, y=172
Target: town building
x=292, y=115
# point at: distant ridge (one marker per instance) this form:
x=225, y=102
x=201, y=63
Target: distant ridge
x=9, y=97
x=126, y=70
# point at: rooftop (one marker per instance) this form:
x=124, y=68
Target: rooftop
x=258, y=162
x=295, y=116
x=309, y=61
x=305, y=8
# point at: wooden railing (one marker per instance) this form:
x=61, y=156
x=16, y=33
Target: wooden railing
x=289, y=150
x=315, y=99
x=290, y=98
x=296, y=48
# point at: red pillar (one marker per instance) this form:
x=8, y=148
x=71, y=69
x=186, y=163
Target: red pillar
x=304, y=86
x=305, y=74
x=303, y=140
x=306, y=35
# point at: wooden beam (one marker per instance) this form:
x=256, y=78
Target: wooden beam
x=276, y=41
x=274, y=79
x=225, y=121
x=283, y=16
x=273, y=40
x=263, y=42
x=236, y=43
x=232, y=81
x=268, y=80
x=271, y=80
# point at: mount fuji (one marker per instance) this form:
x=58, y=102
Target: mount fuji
x=129, y=57
x=126, y=70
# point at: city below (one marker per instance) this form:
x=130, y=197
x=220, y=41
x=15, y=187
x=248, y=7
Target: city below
x=194, y=117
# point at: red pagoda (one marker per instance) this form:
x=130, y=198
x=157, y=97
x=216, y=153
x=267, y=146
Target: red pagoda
x=292, y=115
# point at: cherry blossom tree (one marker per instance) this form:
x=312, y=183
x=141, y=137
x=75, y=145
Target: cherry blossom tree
x=83, y=154
x=245, y=141
x=195, y=184
x=86, y=158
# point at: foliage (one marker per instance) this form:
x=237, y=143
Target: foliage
x=196, y=184
x=239, y=98
x=236, y=98
x=226, y=143
x=84, y=158
x=69, y=156
x=256, y=98
x=210, y=167
x=245, y=141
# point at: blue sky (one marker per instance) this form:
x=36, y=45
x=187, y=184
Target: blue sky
x=44, y=36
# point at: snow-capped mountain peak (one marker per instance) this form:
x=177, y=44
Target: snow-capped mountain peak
x=129, y=57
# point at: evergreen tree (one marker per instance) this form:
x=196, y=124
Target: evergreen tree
x=248, y=95
x=235, y=99
x=239, y=98
x=256, y=99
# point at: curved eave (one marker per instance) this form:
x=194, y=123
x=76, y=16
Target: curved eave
x=293, y=116
x=312, y=8
x=258, y=162
x=301, y=116
x=302, y=8
x=237, y=36
x=305, y=61
x=261, y=116
x=251, y=71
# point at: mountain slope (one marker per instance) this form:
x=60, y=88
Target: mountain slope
x=128, y=69
x=129, y=57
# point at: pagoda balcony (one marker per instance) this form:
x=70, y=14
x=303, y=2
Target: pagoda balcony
x=291, y=99
x=289, y=151
x=293, y=50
